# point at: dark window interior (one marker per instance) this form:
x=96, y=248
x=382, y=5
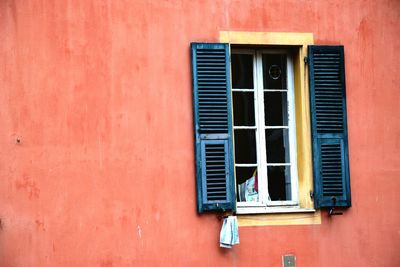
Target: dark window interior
x=242, y=71
x=243, y=109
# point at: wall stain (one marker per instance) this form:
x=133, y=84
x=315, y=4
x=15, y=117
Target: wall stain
x=124, y=220
x=29, y=185
x=106, y=263
x=40, y=225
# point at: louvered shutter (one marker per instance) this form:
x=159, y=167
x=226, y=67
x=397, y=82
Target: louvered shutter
x=213, y=127
x=329, y=126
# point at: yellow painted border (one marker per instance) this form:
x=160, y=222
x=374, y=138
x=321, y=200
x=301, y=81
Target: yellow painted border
x=298, y=41
x=266, y=38
x=280, y=219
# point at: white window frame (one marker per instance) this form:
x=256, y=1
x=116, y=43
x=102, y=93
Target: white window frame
x=265, y=205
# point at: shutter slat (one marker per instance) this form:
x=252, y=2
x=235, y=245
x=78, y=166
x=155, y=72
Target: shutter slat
x=213, y=127
x=329, y=126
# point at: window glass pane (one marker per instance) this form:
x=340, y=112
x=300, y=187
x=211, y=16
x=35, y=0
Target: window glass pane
x=276, y=109
x=247, y=184
x=277, y=145
x=242, y=71
x=274, y=71
x=243, y=108
x=245, y=146
x=279, y=183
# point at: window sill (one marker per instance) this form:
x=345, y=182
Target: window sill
x=278, y=216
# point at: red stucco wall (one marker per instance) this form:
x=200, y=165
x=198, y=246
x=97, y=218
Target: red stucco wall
x=99, y=95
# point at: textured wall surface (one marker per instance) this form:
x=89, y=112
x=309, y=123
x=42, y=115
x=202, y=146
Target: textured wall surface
x=98, y=93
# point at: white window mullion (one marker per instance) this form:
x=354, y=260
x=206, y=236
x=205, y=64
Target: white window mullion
x=256, y=118
x=262, y=167
x=292, y=130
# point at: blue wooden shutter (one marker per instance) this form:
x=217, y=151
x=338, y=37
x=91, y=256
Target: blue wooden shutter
x=213, y=127
x=329, y=126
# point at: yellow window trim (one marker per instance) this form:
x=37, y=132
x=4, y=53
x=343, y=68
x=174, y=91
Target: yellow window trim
x=280, y=219
x=299, y=41
x=266, y=38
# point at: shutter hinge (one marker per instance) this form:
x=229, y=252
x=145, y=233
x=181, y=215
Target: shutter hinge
x=311, y=195
x=332, y=210
x=306, y=60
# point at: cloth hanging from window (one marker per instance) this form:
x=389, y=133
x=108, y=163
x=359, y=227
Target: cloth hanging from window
x=229, y=235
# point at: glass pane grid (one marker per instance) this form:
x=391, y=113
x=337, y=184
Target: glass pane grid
x=275, y=94
x=260, y=109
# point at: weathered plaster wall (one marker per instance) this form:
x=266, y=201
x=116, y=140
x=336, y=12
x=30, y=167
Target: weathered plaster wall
x=98, y=93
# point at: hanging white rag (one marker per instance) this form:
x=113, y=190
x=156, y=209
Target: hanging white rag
x=229, y=235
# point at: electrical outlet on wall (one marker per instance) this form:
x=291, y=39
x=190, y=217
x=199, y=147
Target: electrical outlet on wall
x=289, y=261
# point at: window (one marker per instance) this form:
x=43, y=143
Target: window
x=264, y=127
x=253, y=126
